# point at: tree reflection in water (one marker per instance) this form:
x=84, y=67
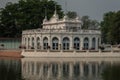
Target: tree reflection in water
x=111, y=72
x=10, y=69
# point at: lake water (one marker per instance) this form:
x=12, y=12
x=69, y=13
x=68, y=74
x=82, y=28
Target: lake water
x=54, y=68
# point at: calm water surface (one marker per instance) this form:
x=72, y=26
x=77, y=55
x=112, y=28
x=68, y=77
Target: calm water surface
x=54, y=68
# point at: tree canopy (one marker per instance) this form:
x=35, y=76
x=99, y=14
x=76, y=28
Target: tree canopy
x=71, y=14
x=89, y=23
x=110, y=27
x=26, y=14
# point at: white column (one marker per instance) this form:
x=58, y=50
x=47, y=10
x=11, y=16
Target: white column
x=90, y=42
x=96, y=43
x=60, y=43
x=41, y=42
x=70, y=69
x=81, y=43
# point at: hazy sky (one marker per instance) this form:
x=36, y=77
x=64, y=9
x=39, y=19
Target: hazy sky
x=93, y=8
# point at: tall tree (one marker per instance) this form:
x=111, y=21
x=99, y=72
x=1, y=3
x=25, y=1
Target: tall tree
x=71, y=14
x=89, y=23
x=26, y=14
x=110, y=27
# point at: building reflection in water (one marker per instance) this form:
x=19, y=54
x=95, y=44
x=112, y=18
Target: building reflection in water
x=65, y=69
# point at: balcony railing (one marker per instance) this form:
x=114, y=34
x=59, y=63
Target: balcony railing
x=61, y=31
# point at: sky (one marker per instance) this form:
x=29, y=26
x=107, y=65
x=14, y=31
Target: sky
x=95, y=9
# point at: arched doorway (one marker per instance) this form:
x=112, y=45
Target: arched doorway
x=86, y=43
x=38, y=42
x=93, y=43
x=66, y=43
x=77, y=43
x=55, y=43
x=32, y=43
x=45, y=43
x=25, y=41
x=28, y=43
x=98, y=42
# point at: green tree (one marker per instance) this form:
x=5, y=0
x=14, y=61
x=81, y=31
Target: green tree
x=89, y=23
x=26, y=14
x=110, y=27
x=71, y=14
x=115, y=30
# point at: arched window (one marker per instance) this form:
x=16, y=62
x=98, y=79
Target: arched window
x=33, y=43
x=25, y=41
x=93, y=43
x=38, y=42
x=55, y=43
x=28, y=43
x=86, y=43
x=66, y=43
x=77, y=43
x=98, y=43
x=45, y=43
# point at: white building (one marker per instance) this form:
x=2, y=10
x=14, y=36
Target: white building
x=61, y=34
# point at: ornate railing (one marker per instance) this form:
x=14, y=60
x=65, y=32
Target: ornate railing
x=61, y=31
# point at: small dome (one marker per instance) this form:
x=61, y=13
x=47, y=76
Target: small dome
x=55, y=16
x=45, y=19
x=77, y=18
x=65, y=17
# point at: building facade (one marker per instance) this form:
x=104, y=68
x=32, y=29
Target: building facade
x=61, y=34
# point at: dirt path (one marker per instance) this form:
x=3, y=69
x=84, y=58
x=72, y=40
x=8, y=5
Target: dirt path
x=10, y=53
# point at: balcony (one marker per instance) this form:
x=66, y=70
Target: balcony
x=35, y=31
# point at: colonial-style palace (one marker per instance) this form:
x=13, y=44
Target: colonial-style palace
x=61, y=34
